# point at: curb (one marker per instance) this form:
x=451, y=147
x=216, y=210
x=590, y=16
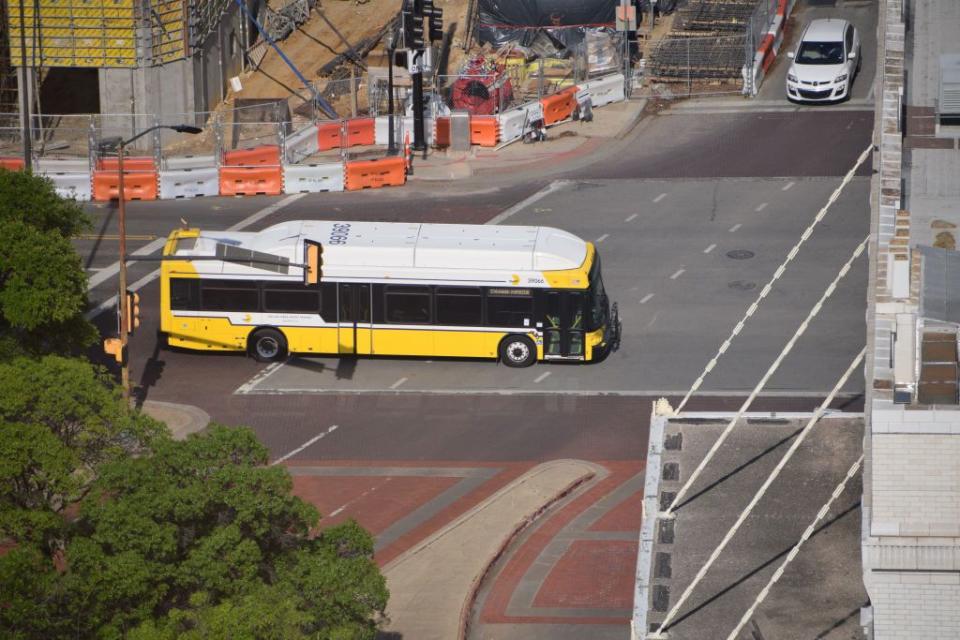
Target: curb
x=181, y=419
x=456, y=566
x=471, y=600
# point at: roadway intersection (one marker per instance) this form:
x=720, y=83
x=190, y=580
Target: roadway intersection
x=405, y=445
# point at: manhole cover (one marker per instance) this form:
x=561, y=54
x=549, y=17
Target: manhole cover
x=740, y=285
x=740, y=254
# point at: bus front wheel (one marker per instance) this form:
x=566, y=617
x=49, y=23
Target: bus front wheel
x=518, y=351
x=268, y=345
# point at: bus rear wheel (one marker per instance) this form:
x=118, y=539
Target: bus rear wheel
x=267, y=345
x=518, y=351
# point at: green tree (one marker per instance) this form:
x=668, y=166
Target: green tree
x=42, y=283
x=199, y=539
x=61, y=420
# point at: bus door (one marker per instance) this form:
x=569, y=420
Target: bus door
x=563, y=325
x=354, y=335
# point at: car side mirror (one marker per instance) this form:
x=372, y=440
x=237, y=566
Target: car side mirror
x=852, y=55
x=790, y=54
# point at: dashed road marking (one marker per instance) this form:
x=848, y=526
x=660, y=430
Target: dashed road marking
x=677, y=274
x=359, y=497
x=734, y=228
x=631, y=217
x=788, y=186
x=543, y=376
x=526, y=202
x=660, y=197
x=710, y=248
x=603, y=237
x=763, y=205
x=645, y=299
x=398, y=383
x=306, y=444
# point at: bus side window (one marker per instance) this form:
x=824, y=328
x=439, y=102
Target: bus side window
x=184, y=294
x=408, y=304
x=229, y=295
x=509, y=311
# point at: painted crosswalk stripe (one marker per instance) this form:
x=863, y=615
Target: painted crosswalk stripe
x=788, y=186
x=645, y=299
x=660, y=197
x=542, y=376
x=710, y=248
x=398, y=383
x=735, y=227
x=631, y=217
x=761, y=207
x=677, y=274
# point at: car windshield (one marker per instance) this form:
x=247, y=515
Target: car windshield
x=598, y=297
x=820, y=53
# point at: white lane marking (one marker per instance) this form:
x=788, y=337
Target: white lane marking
x=645, y=299
x=108, y=272
x=710, y=248
x=603, y=237
x=677, y=274
x=398, y=383
x=350, y=502
x=763, y=205
x=734, y=228
x=660, y=197
x=788, y=186
x=543, y=376
x=526, y=202
x=252, y=383
x=631, y=217
x=159, y=242
x=306, y=444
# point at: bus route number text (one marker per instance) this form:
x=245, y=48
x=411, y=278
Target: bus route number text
x=339, y=234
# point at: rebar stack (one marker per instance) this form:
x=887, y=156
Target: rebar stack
x=707, y=42
x=713, y=17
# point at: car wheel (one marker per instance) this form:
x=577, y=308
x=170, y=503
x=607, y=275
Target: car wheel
x=267, y=345
x=517, y=351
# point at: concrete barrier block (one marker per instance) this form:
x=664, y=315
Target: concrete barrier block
x=604, y=90
x=301, y=144
x=188, y=162
x=73, y=184
x=190, y=183
x=312, y=178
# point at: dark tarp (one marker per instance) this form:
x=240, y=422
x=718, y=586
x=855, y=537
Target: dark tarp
x=521, y=21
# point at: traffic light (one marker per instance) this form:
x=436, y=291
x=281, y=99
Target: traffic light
x=132, y=319
x=412, y=28
x=113, y=347
x=313, y=268
x=434, y=17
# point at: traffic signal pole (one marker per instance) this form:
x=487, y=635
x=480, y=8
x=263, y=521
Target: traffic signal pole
x=122, y=301
x=419, y=143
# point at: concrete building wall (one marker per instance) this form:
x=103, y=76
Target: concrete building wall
x=916, y=484
x=913, y=605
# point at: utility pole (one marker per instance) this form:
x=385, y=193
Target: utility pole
x=22, y=83
x=122, y=294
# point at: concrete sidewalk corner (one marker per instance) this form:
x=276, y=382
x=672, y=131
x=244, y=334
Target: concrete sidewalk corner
x=181, y=419
x=432, y=585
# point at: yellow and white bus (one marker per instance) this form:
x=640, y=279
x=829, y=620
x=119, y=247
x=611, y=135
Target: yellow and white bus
x=520, y=294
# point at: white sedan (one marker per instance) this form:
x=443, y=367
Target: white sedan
x=825, y=62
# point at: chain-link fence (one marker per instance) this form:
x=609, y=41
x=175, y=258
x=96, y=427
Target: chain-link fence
x=682, y=67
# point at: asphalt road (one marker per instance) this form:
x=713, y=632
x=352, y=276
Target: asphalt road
x=692, y=211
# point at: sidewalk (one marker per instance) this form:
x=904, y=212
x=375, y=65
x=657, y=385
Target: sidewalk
x=569, y=139
x=432, y=585
x=181, y=419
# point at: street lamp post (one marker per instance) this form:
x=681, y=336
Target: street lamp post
x=122, y=224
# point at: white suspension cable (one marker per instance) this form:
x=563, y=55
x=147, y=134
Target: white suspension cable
x=776, y=276
x=760, y=493
x=766, y=377
x=796, y=549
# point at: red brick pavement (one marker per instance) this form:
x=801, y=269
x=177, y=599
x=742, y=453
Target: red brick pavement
x=576, y=569
x=595, y=574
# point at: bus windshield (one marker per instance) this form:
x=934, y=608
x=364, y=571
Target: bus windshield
x=598, y=297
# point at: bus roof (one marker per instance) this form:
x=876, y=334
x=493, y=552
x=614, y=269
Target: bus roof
x=404, y=245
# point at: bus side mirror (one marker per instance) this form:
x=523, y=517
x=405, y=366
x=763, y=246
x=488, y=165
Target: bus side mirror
x=313, y=262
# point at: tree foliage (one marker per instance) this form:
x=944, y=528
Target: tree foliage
x=198, y=540
x=42, y=283
x=61, y=421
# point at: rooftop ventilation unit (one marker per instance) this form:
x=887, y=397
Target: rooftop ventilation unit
x=948, y=109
